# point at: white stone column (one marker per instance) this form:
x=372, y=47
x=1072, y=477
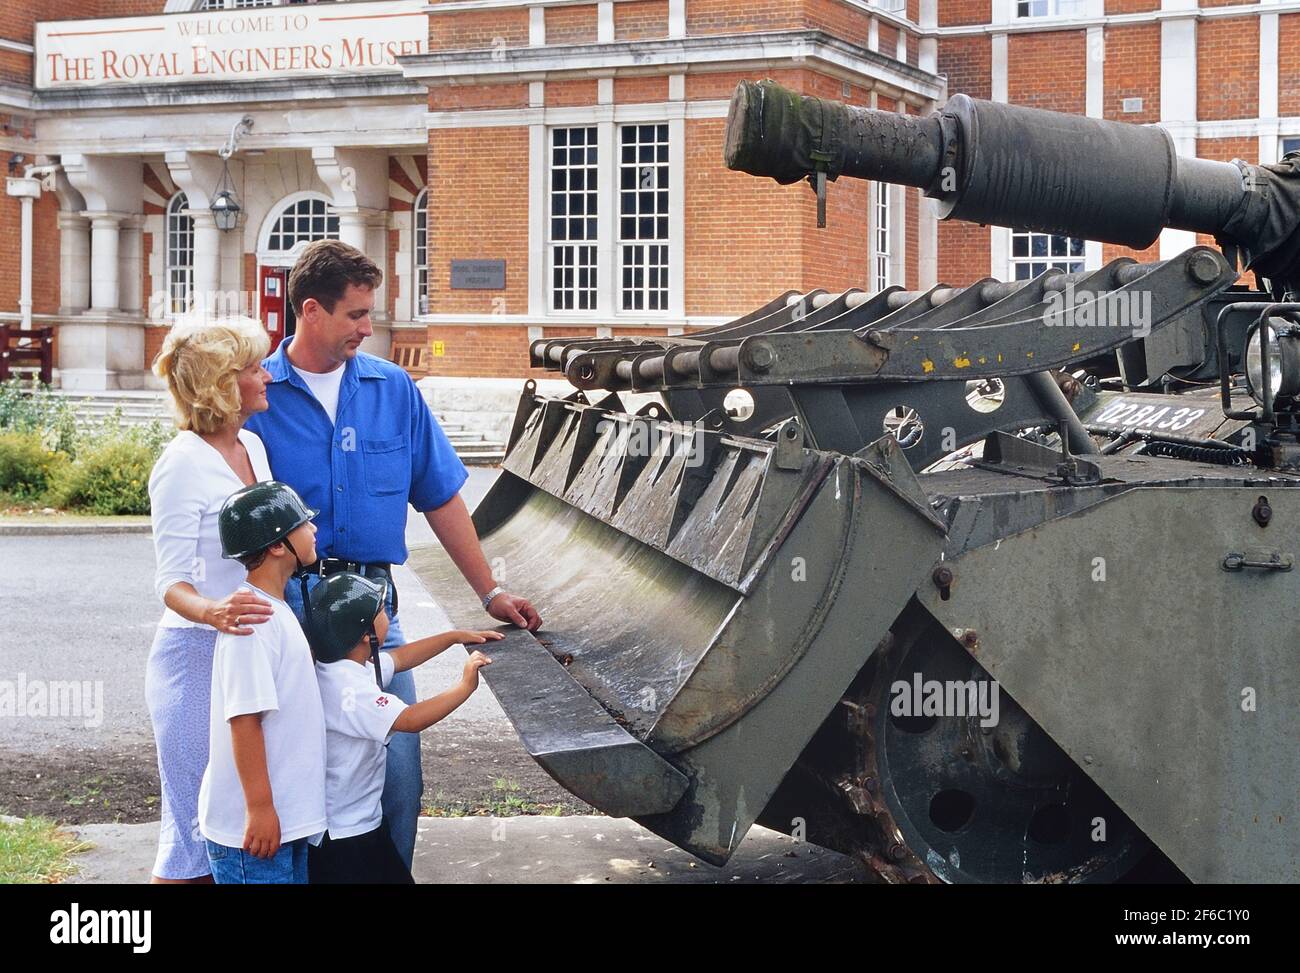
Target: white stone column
x=207, y=259
x=102, y=348
x=129, y=268
x=352, y=227
x=74, y=262
x=105, y=230
x=376, y=248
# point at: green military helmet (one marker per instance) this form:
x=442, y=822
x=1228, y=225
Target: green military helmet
x=343, y=611
x=254, y=518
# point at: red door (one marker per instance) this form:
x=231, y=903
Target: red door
x=272, y=284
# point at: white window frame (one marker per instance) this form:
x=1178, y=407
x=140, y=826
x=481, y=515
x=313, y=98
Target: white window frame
x=178, y=247
x=266, y=251
x=608, y=307
x=580, y=255
x=420, y=252
x=635, y=251
x=881, y=226
x=1070, y=262
x=1046, y=9
x=891, y=6
x=243, y=4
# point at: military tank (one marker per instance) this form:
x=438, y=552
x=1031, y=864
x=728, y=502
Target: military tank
x=966, y=585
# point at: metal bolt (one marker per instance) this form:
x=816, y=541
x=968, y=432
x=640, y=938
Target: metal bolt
x=1262, y=512
x=970, y=638
x=897, y=852
x=761, y=356
x=942, y=576
x=1202, y=268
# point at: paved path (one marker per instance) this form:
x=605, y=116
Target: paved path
x=527, y=850
x=82, y=609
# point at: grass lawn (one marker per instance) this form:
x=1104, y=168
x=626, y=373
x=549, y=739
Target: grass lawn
x=504, y=801
x=34, y=850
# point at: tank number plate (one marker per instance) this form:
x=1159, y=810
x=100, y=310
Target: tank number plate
x=1160, y=416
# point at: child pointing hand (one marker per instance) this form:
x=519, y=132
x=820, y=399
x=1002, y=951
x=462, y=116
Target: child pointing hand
x=347, y=625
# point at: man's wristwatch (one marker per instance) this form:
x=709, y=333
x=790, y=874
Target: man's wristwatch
x=487, y=599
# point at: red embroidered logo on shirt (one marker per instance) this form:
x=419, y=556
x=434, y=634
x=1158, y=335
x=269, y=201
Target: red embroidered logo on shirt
x=381, y=700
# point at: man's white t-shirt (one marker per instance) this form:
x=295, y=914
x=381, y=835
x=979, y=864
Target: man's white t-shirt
x=359, y=720
x=325, y=386
x=269, y=672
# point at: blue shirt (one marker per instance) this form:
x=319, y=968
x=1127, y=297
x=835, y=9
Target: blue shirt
x=384, y=450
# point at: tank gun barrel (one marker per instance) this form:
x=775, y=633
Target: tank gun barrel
x=987, y=162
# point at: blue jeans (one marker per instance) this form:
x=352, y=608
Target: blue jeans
x=403, y=776
x=234, y=866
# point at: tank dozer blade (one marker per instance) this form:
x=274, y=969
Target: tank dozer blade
x=694, y=636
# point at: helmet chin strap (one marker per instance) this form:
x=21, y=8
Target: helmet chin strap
x=374, y=655
x=301, y=575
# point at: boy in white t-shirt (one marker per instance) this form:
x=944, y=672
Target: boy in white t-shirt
x=262, y=800
x=346, y=626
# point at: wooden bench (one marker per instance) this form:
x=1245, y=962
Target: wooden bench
x=38, y=352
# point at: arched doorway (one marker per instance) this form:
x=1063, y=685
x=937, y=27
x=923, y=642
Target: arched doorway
x=296, y=221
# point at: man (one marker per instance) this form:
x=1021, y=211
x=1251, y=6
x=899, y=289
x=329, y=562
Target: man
x=351, y=433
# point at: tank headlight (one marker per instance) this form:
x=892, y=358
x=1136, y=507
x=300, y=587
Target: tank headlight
x=1283, y=361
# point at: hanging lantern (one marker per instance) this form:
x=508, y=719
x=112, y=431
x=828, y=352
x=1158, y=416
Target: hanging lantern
x=225, y=208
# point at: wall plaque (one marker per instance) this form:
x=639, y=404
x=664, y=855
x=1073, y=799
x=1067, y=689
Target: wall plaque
x=478, y=275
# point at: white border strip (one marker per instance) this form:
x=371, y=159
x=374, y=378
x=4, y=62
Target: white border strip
x=664, y=111
x=570, y=321
x=1002, y=26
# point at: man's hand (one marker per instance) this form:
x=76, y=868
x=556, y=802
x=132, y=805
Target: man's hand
x=452, y=523
x=262, y=831
x=506, y=607
x=235, y=612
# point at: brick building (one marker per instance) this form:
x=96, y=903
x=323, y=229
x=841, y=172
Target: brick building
x=529, y=168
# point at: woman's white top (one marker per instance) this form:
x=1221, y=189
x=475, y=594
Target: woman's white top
x=187, y=487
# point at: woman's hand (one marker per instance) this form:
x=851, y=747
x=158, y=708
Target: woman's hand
x=235, y=612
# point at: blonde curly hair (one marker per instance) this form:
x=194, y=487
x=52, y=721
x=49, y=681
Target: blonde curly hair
x=200, y=360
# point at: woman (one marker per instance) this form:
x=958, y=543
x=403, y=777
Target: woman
x=214, y=373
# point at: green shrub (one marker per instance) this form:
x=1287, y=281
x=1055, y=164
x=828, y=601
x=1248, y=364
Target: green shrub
x=32, y=407
x=27, y=468
x=102, y=467
x=107, y=477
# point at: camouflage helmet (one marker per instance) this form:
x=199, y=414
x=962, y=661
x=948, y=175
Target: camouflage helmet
x=343, y=611
x=257, y=516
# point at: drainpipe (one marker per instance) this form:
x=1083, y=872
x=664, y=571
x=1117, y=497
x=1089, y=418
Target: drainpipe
x=28, y=189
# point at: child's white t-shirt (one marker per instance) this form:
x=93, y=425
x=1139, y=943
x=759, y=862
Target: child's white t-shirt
x=359, y=720
x=269, y=672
